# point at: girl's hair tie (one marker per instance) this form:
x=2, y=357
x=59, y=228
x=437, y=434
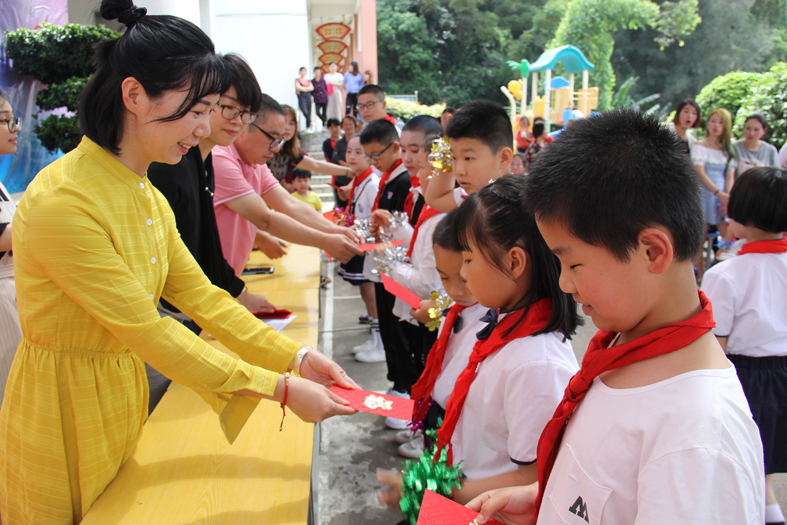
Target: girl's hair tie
x=130, y=16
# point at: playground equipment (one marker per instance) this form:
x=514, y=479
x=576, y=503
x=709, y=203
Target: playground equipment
x=559, y=93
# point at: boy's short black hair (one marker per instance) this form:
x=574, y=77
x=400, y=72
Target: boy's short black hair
x=759, y=199
x=443, y=234
x=332, y=122
x=610, y=176
x=300, y=173
x=449, y=109
x=538, y=129
x=482, y=120
x=425, y=123
x=372, y=89
x=380, y=131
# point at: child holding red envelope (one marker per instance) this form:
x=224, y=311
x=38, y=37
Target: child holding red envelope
x=512, y=376
x=363, y=191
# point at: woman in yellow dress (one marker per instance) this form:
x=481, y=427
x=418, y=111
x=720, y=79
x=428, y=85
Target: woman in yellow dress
x=95, y=247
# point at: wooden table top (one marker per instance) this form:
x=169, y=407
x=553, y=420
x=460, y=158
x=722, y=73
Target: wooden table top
x=183, y=471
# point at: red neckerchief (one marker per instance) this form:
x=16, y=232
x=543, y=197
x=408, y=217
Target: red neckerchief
x=535, y=320
x=422, y=390
x=426, y=213
x=384, y=181
x=357, y=181
x=601, y=358
x=779, y=246
x=390, y=119
x=409, y=201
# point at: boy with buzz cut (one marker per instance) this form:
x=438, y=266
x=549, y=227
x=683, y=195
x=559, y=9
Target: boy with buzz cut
x=380, y=142
x=482, y=140
x=655, y=427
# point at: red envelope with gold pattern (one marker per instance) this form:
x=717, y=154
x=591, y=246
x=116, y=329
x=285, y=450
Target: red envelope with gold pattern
x=375, y=403
x=438, y=510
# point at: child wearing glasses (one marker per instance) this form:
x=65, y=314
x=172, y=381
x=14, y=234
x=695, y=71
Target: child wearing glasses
x=371, y=104
x=10, y=332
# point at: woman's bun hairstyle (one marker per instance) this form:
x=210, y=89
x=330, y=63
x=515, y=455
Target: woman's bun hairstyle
x=163, y=53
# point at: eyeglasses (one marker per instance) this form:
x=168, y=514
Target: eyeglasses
x=376, y=156
x=275, y=142
x=368, y=105
x=231, y=112
x=13, y=124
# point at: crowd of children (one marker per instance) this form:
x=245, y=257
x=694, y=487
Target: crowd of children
x=675, y=414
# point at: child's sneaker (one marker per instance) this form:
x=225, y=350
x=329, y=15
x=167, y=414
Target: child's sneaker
x=368, y=345
x=370, y=356
x=365, y=319
x=414, y=449
x=405, y=436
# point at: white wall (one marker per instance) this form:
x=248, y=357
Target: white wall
x=273, y=36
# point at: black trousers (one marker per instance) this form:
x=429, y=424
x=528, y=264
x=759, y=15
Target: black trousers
x=420, y=339
x=305, y=103
x=320, y=110
x=397, y=351
x=351, y=104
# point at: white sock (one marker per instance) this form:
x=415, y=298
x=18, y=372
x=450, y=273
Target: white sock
x=774, y=514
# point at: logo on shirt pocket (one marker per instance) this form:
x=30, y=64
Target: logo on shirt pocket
x=575, y=497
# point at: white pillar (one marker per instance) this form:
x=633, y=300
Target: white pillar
x=207, y=17
x=585, y=78
x=571, y=88
x=523, y=101
x=535, y=88
x=547, y=91
x=187, y=9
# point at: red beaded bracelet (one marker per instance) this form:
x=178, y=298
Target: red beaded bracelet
x=284, y=401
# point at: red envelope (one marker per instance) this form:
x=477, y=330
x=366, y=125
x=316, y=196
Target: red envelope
x=374, y=403
x=401, y=292
x=334, y=186
x=372, y=246
x=438, y=510
x=276, y=314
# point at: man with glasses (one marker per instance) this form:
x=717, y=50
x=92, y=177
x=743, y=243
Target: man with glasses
x=247, y=193
x=371, y=105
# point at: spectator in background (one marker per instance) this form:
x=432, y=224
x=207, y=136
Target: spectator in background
x=302, y=180
x=320, y=95
x=304, y=88
x=353, y=80
x=329, y=144
x=371, y=104
x=539, y=142
x=687, y=116
x=523, y=137
x=448, y=113
x=335, y=82
x=519, y=164
x=339, y=158
x=368, y=77
x=751, y=151
x=291, y=155
x=359, y=125
x=549, y=138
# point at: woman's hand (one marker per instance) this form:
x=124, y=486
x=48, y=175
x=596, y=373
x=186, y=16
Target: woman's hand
x=313, y=403
x=512, y=506
x=725, y=200
x=422, y=313
x=320, y=369
x=391, y=493
x=255, y=303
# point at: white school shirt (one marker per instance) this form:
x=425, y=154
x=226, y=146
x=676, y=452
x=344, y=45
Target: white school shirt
x=749, y=298
x=513, y=396
x=420, y=276
x=363, y=198
x=457, y=352
x=459, y=196
x=682, y=451
x=7, y=210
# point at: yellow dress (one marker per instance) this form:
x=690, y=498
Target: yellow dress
x=95, y=246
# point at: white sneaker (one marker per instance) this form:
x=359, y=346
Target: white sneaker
x=368, y=345
x=370, y=356
x=396, y=424
x=405, y=436
x=396, y=393
x=414, y=449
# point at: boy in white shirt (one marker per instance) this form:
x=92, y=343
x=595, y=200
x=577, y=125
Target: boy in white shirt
x=659, y=429
x=749, y=296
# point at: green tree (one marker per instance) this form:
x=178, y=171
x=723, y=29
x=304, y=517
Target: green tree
x=727, y=91
x=590, y=25
x=768, y=96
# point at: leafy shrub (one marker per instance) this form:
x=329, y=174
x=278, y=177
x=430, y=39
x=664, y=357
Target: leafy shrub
x=727, y=91
x=62, y=58
x=406, y=109
x=768, y=97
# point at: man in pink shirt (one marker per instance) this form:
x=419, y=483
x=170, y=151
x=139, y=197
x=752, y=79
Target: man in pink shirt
x=246, y=191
